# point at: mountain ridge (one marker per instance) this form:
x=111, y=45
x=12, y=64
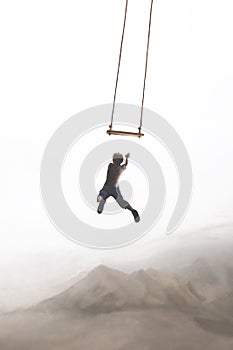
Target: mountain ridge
x=105, y=290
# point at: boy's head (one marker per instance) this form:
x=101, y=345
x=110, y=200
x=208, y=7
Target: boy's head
x=117, y=158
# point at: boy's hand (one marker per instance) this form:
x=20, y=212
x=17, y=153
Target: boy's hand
x=127, y=155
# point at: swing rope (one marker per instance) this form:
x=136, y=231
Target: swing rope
x=146, y=66
x=139, y=134
x=119, y=64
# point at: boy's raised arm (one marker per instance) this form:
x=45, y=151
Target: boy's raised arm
x=126, y=159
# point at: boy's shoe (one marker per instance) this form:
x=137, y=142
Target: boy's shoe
x=136, y=215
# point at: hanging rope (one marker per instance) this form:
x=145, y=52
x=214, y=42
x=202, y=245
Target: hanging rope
x=147, y=56
x=118, y=71
x=119, y=63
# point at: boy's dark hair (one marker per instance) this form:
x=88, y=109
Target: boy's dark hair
x=117, y=158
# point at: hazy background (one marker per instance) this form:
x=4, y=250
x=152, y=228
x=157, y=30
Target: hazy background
x=60, y=57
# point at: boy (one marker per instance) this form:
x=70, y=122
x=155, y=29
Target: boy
x=111, y=187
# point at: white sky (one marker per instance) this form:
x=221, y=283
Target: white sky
x=59, y=57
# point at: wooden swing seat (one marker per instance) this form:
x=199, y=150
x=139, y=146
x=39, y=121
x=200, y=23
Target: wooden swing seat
x=124, y=133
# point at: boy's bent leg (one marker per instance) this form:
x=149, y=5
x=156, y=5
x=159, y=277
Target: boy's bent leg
x=129, y=207
x=123, y=204
x=101, y=206
x=120, y=200
x=99, y=198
